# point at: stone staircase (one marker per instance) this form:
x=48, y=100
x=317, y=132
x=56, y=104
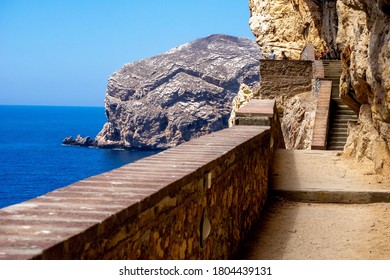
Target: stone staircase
x=340, y=113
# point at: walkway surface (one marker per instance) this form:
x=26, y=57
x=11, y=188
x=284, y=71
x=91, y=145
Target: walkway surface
x=322, y=206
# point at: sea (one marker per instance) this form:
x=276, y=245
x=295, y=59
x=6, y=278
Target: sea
x=33, y=160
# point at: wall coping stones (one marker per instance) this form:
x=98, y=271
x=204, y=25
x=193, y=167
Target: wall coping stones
x=321, y=121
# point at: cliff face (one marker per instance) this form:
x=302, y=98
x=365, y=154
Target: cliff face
x=290, y=25
x=164, y=100
x=358, y=31
x=364, y=41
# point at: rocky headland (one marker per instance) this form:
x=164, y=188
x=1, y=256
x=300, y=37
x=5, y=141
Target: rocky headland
x=162, y=101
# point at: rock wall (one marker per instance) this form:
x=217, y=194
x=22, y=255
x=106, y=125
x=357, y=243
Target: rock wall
x=290, y=25
x=358, y=31
x=364, y=41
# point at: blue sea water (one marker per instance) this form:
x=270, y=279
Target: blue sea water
x=33, y=160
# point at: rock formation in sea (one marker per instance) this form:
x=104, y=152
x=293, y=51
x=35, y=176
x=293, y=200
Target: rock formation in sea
x=162, y=101
x=358, y=31
x=79, y=141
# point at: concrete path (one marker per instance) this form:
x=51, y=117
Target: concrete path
x=325, y=176
x=322, y=206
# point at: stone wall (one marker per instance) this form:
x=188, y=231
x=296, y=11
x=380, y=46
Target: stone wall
x=308, y=53
x=285, y=77
x=262, y=113
x=194, y=201
x=289, y=82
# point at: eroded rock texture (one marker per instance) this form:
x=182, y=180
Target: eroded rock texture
x=359, y=32
x=290, y=25
x=186, y=92
x=364, y=40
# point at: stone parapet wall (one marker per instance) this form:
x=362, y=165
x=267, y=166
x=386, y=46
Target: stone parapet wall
x=195, y=201
x=308, y=53
x=321, y=121
x=287, y=77
x=263, y=113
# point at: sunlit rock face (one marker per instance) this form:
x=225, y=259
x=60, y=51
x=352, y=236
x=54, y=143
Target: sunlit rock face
x=162, y=101
x=358, y=31
x=364, y=41
x=290, y=25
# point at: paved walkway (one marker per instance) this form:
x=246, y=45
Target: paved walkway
x=322, y=206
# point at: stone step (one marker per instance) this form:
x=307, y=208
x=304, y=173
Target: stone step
x=335, y=76
x=335, y=140
x=332, y=67
x=319, y=211
x=336, y=134
x=308, y=175
x=345, y=111
x=336, y=130
x=329, y=70
x=336, y=147
x=340, y=116
x=340, y=126
x=349, y=115
x=332, y=72
x=341, y=121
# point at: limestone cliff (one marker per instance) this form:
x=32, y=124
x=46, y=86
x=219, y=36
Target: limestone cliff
x=364, y=40
x=358, y=31
x=186, y=92
x=290, y=25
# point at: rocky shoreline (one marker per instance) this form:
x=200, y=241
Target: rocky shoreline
x=80, y=141
x=90, y=142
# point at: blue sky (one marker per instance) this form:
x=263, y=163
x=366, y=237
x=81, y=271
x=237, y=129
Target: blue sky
x=62, y=52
